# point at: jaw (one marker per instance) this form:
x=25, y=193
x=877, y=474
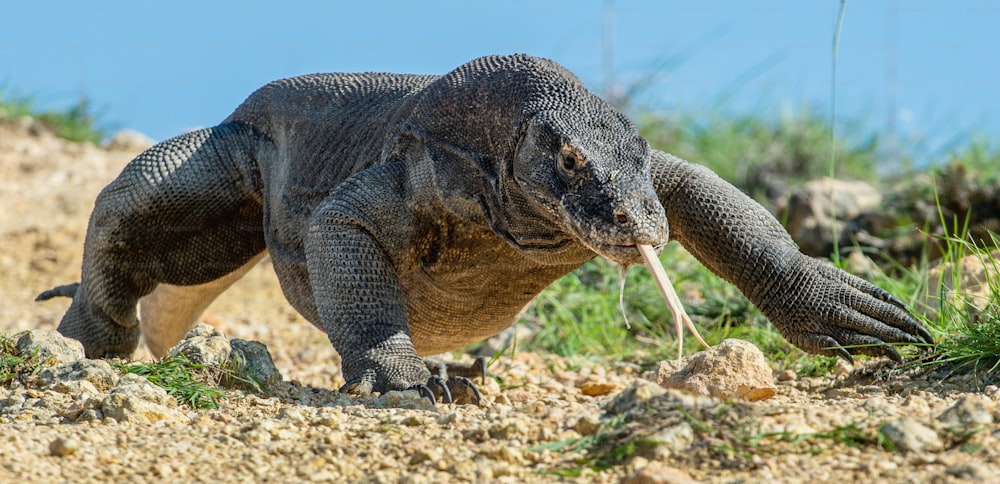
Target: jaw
x=624, y=255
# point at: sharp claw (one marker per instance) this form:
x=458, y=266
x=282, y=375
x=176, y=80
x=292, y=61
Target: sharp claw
x=427, y=393
x=895, y=301
x=925, y=335
x=843, y=353
x=465, y=392
x=441, y=388
x=891, y=352
x=480, y=364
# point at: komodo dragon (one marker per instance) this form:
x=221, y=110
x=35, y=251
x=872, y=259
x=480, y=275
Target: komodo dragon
x=410, y=215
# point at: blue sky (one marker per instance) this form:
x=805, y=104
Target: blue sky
x=927, y=69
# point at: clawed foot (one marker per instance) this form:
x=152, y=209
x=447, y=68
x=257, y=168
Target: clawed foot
x=827, y=311
x=455, y=389
x=445, y=369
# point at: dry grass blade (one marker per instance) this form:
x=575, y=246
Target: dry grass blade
x=673, y=302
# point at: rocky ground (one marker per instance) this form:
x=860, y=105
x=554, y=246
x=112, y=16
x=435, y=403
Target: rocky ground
x=575, y=419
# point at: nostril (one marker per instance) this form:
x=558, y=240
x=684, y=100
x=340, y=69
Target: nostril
x=621, y=217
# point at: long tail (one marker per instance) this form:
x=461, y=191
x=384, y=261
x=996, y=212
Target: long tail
x=69, y=290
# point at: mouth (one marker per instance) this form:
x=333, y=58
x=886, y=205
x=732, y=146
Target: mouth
x=625, y=255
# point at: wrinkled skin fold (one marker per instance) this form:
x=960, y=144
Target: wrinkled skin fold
x=411, y=215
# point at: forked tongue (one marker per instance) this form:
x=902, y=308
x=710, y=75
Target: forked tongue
x=673, y=302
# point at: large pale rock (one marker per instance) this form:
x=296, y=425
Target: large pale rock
x=820, y=206
x=49, y=346
x=731, y=369
x=965, y=283
x=203, y=344
x=136, y=400
x=98, y=372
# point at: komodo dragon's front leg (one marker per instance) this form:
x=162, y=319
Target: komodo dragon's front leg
x=357, y=291
x=817, y=307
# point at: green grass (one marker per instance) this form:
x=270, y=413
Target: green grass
x=190, y=383
x=967, y=327
x=580, y=315
x=13, y=364
x=77, y=123
x=751, y=152
x=602, y=450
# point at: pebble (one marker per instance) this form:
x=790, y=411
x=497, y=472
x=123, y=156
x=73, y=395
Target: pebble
x=909, y=435
x=63, y=446
x=968, y=411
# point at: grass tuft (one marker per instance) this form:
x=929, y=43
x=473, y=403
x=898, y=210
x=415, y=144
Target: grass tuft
x=78, y=123
x=13, y=364
x=186, y=381
x=965, y=320
x=580, y=315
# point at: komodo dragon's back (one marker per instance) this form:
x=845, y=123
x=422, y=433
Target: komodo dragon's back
x=328, y=121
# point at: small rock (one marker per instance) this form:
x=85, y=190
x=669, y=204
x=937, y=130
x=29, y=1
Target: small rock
x=203, y=344
x=639, y=392
x=127, y=408
x=659, y=474
x=252, y=361
x=415, y=421
x=786, y=375
x=968, y=470
x=841, y=368
x=74, y=387
x=909, y=435
x=129, y=140
x=670, y=440
x=82, y=409
x=97, y=372
x=63, y=446
x=596, y=389
x=731, y=369
x=411, y=399
x=424, y=455
x=292, y=414
x=968, y=411
x=52, y=347
x=587, y=425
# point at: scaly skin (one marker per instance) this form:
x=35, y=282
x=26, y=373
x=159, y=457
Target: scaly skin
x=411, y=215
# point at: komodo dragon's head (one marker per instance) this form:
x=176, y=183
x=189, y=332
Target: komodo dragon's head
x=588, y=167
x=566, y=167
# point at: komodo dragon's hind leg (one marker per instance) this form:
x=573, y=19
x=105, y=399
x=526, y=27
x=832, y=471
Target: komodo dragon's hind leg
x=185, y=212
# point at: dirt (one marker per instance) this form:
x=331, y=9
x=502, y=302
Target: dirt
x=534, y=428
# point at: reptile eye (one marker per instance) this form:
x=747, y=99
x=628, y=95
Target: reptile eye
x=569, y=161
